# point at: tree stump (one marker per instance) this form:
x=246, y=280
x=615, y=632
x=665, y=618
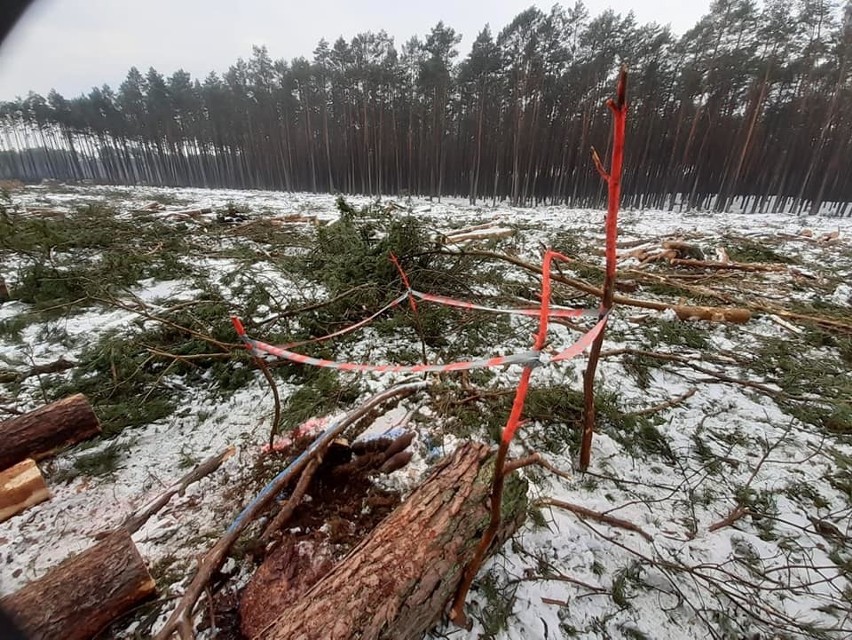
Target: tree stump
x=84, y=594
x=21, y=487
x=38, y=434
x=397, y=583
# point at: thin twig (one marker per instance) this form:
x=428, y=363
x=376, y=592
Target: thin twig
x=135, y=521
x=668, y=404
x=313, y=307
x=537, y=460
x=276, y=416
x=585, y=512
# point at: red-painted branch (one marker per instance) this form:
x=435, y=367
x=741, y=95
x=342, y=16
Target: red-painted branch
x=613, y=179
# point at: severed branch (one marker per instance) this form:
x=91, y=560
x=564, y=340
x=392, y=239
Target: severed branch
x=718, y=375
x=668, y=404
x=276, y=416
x=596, y=159
x=142, y=311
x=180, y=620
x=135, y=521
x=294, y=501
x=734, y=266
x=7, y=375
x=537, y=460
x=584, y=512
x=740, y=509
x=736, y=513
x=684, y=312
x=287, y=313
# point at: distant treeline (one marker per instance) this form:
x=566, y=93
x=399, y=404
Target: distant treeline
x=753, y=102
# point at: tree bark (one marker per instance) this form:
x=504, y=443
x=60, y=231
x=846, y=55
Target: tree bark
x=397, y=582
x=84, y=594
x=40, y=433
x=21, y=487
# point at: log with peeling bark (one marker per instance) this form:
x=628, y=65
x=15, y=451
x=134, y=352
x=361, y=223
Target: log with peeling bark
x=21, y=487
x=397, y=583
x=79, y=598
x=40, y=433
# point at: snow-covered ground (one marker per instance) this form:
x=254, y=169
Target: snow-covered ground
x=784, y=564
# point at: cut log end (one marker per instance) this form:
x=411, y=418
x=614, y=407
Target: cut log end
x=79, y=598
x=21, y=487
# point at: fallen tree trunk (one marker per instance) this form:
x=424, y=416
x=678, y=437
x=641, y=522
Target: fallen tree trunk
x=396, y=584
x=21, y=487
x=84, y=594
x=39, y=433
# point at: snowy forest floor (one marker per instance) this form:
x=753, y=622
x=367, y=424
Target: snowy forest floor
x=762, y=428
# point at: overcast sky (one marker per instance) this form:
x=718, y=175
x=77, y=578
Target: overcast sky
x=72, y=45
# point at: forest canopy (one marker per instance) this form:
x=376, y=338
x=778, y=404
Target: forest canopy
x=749, y=104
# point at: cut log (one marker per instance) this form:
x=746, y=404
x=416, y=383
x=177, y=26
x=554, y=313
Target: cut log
x=484, y=234
x=396, y=584
x=21, y=487
x=40, y=433
x=79, y=598
x=733, y=315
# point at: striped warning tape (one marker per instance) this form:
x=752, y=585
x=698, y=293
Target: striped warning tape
x=582, y=344
x=529, y=358
x=261, y=348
